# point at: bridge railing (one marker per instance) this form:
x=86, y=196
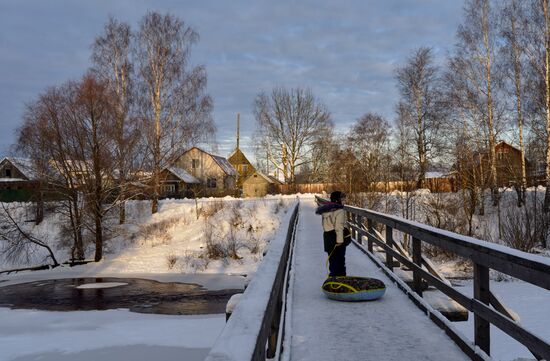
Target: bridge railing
x=484, y=255
x=253, y=331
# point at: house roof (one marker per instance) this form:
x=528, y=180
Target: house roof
x=268, y=178
x=183, y=175
x=24, y=165
x=222, y=162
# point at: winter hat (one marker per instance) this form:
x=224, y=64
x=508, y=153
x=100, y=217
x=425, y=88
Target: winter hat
x=337, y=197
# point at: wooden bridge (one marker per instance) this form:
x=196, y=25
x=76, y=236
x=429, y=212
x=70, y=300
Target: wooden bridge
x=283, y=314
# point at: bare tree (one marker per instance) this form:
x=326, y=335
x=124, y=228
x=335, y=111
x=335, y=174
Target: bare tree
x=111, y=56
x=513, y=24
x=67, y=133
x=17, y=242
x=43, y=137
x=369, y=138
x=174, y=105
x=474, y=56
x=290, y=122
x=419, y=106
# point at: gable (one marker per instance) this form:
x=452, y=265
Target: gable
x=17, y=168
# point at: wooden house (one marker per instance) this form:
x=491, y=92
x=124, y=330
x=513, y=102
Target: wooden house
x=243, y=166
x=177, y=183
x=216, y=175
x=508, y=166
x=259, y=184
x=18, y=180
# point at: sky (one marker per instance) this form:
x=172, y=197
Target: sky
x=345, y=51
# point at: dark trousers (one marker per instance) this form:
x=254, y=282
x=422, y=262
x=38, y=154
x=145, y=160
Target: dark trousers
x=337, y=262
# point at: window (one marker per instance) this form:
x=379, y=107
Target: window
x=244, y=168
x=7, y=172
x=195, y=163
x=211, y=182
x=168, y=188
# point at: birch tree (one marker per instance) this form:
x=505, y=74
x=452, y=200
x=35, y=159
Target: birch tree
x=369, y=138
x=289, y=123
x=419, y=106
x=111, y=56
x=471, y=68
x=512, y=30
x=174, y=104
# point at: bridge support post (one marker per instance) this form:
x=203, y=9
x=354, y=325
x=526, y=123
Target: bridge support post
x=417, y=259
x=482, y=293
x=370, y=227
x=389, y=242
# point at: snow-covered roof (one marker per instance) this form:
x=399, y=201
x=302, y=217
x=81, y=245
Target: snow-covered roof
x=183, y=175
x=224, y=164
x=268, y=178
x=435, y=174
x=24, y=165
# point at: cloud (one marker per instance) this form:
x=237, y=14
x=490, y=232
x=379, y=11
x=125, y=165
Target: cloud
x=345, y=51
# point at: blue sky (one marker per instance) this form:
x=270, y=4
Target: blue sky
x=345, y=51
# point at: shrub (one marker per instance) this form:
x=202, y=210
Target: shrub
x=158, y=232
x=211, y=208
x=171, y=260
x=525, y=228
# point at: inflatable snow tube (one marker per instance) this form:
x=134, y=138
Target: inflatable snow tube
x=352, y=289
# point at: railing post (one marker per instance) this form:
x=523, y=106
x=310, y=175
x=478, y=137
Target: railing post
x=417, y=260
x=482, y=294
x=354, y=233
x=360, y=225
x=272, y=339
x=370, y=227
x=389, y=242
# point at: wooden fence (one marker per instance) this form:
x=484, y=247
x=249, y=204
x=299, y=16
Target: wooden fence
x=484, y=255
x=435, y=185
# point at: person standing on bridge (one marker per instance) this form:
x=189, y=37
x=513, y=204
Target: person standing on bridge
x=335, y=234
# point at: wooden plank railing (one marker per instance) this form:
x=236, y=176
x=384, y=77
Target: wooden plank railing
x=253, y=331
x=530, y=268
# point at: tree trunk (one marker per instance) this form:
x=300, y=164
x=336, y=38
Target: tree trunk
x=490, y=116
x=156, y=155
x=98, y=191
x=547, y=89
x=517, y=81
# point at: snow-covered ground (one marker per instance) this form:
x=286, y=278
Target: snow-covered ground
x=180, y=238
x=171, y=246
x=30, y=335
x=531, y=303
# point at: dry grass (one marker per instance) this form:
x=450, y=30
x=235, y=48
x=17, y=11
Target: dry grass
x=158, y=233
x=211, y=208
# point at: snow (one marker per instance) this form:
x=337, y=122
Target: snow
x=459, y=238
x=183, y=175
x=238, y=338
x=24, y=165
x=533, y=307
x=88, y=286
x=171, y=241
x=111, y=335
x=391, y=328
x=233, y=302
x=224, y=165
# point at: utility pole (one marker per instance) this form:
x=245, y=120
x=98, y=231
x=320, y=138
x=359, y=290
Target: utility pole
x=238, y=128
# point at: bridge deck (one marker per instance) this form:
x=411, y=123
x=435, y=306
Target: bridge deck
x=391, y=328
